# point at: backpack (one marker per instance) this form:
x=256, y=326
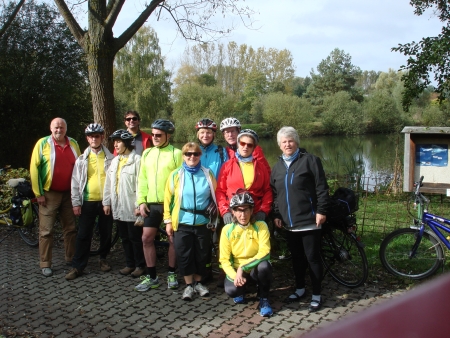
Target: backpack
x=343, y=202
x=24, y=190
x=21, y=213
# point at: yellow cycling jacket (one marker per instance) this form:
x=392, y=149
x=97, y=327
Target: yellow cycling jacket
x=243, y=247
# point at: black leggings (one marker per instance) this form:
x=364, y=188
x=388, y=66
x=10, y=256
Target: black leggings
x=305, y=249
x=261, y=274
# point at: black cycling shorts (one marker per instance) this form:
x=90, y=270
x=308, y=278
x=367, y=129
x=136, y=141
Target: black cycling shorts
x=155, y=216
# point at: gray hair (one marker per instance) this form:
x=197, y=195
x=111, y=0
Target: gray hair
x=288, y=132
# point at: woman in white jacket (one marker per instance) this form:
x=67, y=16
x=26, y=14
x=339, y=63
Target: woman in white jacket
x=120, y=196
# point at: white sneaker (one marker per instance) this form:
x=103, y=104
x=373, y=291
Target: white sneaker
x=147, y=283
x=201, y=290
x=47, y=272
x=188, y=293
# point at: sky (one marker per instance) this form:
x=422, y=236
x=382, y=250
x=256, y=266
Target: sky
x=310, y=30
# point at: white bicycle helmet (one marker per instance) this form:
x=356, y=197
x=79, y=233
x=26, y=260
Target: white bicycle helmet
x=207, y=124
x=249, y=132
x=241, y=197
x=230, y=122
x=94, y=128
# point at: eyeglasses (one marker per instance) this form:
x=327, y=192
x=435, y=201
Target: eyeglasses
x=157, y=135
x=194, y=153
x=249, y=145
x=134, y=118
x=241, y=211
x=94, y=136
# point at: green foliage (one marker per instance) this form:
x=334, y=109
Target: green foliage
x=342, y=115
x=429, y=56
x=206, y=80
x=434, y=116
x=287, y=110
x=193, y=102
x=141, y=81
x=382, y=113
x=6, y=193
x=335, y=73
x=42, y=76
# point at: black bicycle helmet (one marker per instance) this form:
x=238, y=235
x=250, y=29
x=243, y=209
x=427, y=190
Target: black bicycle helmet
x=121, y=134
x=249, y=132
x=230, y=122
x=207, y=124
x=164, y=125
x=94, y=128
x=241, y=197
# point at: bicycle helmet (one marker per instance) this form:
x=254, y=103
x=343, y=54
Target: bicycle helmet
x=230, y=122
x=207, y=124
x=121, y=134
x=164, y=125
x=94, y=128
x=249, y=132
x=241, y=197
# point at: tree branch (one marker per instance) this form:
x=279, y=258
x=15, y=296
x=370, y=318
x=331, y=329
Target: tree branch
x=73, y=25
x=11, y=18
x=112, y=11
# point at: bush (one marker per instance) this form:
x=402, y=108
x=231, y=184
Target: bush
x=383, y=113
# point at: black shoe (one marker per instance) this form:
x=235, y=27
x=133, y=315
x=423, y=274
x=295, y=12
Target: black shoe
x=315, y=305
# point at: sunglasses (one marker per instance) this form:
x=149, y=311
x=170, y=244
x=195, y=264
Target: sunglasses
x=94, y=136
x=189, y=154
x=157, y=135
x=134, y=118
x=249, y=145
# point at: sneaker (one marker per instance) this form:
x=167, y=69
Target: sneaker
x=188, y=293
x=315, y=305
x=201, y=290
x=72, y=274
x=104, y=266
x=138, y=272
x=47, y=272
x=172, y=282
x=239, y=300
x=147, y=283
x=126, y=271
x=265, y=310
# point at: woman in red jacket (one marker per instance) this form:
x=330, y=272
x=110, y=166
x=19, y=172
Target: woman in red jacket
x=244, y=171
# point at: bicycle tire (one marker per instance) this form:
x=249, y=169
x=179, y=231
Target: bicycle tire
x=95, y=243
x=343, y=257
x=30, y=233
x=279, y=249
x=395, y=252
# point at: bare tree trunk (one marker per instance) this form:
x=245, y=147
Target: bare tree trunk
x=11, y=18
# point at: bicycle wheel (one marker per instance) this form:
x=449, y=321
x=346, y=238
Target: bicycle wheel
x=395, y=251
x=343, y=257
x=30, y=233
x=95, y=243
x=279, y=249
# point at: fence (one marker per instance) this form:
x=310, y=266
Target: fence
x=383, y=206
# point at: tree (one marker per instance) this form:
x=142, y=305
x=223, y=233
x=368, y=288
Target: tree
x=193, y=20
x=141, y=82
x=429, y=56
x=42, y=76
x=10, y=16
x=382, y=112
x=335, y=73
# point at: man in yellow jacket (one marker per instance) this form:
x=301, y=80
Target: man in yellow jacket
x=51, y=166
x=245, y=252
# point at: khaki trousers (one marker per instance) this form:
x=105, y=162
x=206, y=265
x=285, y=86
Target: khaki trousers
x=56, y=202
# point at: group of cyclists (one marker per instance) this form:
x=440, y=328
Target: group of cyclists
x=205, y=194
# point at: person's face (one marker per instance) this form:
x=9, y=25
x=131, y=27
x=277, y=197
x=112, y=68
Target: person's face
x=132, y=122
x=288, y=145
x=159, y=137
x=191, y=157
x=206, y=136
x=95, y=140
x=58, y=128
x=230, y=135
x=243, y=214
x=246, y=145
x=119, y=146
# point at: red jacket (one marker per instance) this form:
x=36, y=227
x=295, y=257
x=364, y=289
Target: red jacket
x=257, y=153
x=230, y=179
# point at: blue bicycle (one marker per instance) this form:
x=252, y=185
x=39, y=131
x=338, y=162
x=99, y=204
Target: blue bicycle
x=418, y=251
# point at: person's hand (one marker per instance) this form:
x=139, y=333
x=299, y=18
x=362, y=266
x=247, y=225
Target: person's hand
x=41, y=201
x=227, y=218
x=107, y=209
x=278, y=222
x=320, y=219
x=77, y=211
x=137, y=212
x=239, y=280
x=143, y=210
x=260, y=216
x=169, y=229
